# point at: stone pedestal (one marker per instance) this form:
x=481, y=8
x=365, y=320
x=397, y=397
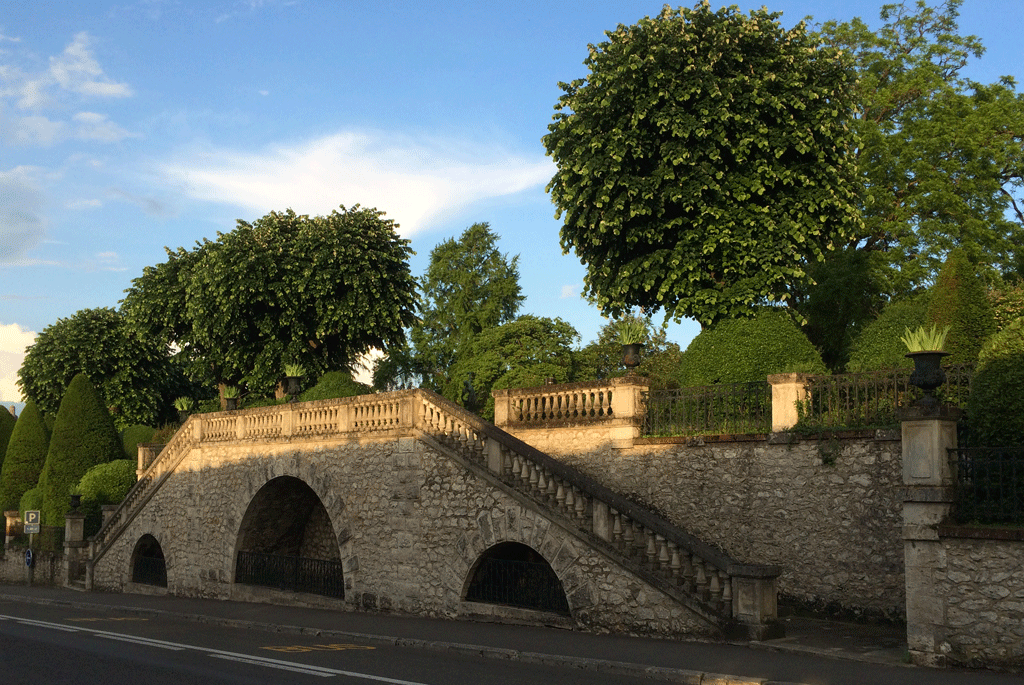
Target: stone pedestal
x=755, y=600
x=787, y=390
x=628, y=409
x=928, y=479
x=74, y=546
x=13, y=519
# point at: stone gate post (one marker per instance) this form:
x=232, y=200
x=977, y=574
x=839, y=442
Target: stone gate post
x=928, y=479
x=787, y=390
x=628, y=409
x=74, y=545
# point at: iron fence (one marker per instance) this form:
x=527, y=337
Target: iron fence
x=524, y=584
x=294, y=574
x=989, y=485
x=872, y=399
x=735, y=408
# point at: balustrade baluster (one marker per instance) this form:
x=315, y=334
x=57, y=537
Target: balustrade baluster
x=675, y=566
x=689, y=574
x=726, y=593
x=581, y=507
x=616, y=528
x=628, y=537
x=552, y=489
x=534, y=478
x=663, y=557
x=651, y=551
x=715, y=589
x=702, y=579
x=506, y=461
x=560, y=497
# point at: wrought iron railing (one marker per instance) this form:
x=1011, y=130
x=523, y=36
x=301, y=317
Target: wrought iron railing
x=989, y=485
x=525, y=584
x=707, y=410
x=294, y=574
x=872, y=399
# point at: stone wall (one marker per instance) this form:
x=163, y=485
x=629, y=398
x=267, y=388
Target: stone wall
x=983, y=583
x=410, y=522
x=828, y=512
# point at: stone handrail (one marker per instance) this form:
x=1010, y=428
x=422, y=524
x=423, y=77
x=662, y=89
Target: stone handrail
x=700, y=575
x=577, y=402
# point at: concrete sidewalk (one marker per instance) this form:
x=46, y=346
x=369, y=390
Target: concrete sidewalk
x=651, y=658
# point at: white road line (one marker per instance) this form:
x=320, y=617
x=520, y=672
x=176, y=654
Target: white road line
x=216, y=653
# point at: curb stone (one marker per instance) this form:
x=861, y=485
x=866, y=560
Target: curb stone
x=675, y=675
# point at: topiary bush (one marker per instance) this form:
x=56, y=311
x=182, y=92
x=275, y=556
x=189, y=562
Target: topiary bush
x=749, y=349
x=32, y=500
x=879, y=346
x=104, y=484
x=335, y=384
x=83, y=436
x=995, y=408
x=959, y=300
x=7, y=422
x=26, y=454
x=132, y=436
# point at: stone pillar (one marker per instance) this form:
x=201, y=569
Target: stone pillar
x=147, y=454
x=628, y=409
x=74, y=545
x=287, y=420
x=755, y=600
x=787, y=390
x=13, y=518
x=928, y=432
x=502, y=405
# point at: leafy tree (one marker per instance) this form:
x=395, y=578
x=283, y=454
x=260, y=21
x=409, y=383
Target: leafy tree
x=748, y=349
x=703, y=162
x=941, y=156
x=104, y=484
x=134, y=373
x=602, y=358
x=878, y=346
x=469, y=287
x=318, y=291
x=26, y=454
x=7, y=422
x=1007, y=304
x=958, y=300
x=83, y=436
x=518, y=354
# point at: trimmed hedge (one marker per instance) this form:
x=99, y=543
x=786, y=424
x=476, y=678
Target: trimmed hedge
x=959, y=300
x=26, y=454
x=132, y=436
x=7, y=422
x=104, y=484
x=995, y=408
x=83, y=436
x=879, y=345
x=335, y=384
x=749, y=349
x=32, y=500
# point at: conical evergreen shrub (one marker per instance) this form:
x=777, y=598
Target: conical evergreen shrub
x=83, y=436
x=959, y=300
x=879, y=346
x=7, y=422
x=26, y=454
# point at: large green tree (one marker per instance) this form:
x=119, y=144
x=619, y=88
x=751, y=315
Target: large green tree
x=286, y=288
x=941, y=156
x=704, y=161
x=602, y=358
x=83, y=436
x=133, y=371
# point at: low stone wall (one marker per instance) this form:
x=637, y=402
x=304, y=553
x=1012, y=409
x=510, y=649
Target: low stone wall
x=828, y=512
x=982, y=581
x=48, y=570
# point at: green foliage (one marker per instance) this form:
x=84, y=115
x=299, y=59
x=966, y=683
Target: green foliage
x=747, y=350
x=104, y=484
x=632, y=330
x=32, y=500
x=1007, y=304
x=923, y=339
x=521, y=353
x=316, y=290
x=334, y=384
x=132, y=436
x=26, y=454
x=230, y=392
x=703, y=162
x=469, y=287
x=7, y=422
x=602, y=358
x=959, y=301
x=294, y=370
x=83, y=436
x=879, y=346
x=184, y=403
x=940, y=156
x=133, y=373
x=995, y=408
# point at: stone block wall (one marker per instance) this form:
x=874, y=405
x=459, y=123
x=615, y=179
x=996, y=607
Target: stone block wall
x=828, y=512
x=410, y=523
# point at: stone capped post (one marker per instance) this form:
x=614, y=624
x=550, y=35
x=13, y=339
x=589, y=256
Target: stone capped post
x=787, y=390
x=628, y=409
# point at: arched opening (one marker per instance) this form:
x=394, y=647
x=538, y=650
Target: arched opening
x=148, y=565
x=515, y=575
x=286, y=541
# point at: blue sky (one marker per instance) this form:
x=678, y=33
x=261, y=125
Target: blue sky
x=127, y=127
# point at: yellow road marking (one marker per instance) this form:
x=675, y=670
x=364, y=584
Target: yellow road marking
x=316, y=648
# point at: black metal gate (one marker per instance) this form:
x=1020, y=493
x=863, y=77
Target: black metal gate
x=294, y=574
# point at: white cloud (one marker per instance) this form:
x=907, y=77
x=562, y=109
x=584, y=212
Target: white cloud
x=93, y=126
x=569, y=291
x=84, y=204
x=13, y=341
x=76, y=70
x=416, y=181
x=21, y=219
x=37, y=130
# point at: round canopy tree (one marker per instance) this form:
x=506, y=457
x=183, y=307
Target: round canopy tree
x=704, y=161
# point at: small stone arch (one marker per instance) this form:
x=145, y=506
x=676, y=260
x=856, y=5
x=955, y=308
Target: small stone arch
x=516, y=575
x=147, y=562
x=286, y=541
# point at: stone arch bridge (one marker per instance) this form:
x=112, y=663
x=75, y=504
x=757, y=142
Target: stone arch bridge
x=405, y=502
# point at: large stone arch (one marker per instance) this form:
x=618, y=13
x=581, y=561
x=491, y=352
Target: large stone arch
x=147, y=564
x=516, y=575
x=518, y=524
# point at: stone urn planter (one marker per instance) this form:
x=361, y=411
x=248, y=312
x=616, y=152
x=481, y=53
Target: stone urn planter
x=182, y=416
x=293, y=386
x=928, y=374
x=631, y=356
x=231, y=403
